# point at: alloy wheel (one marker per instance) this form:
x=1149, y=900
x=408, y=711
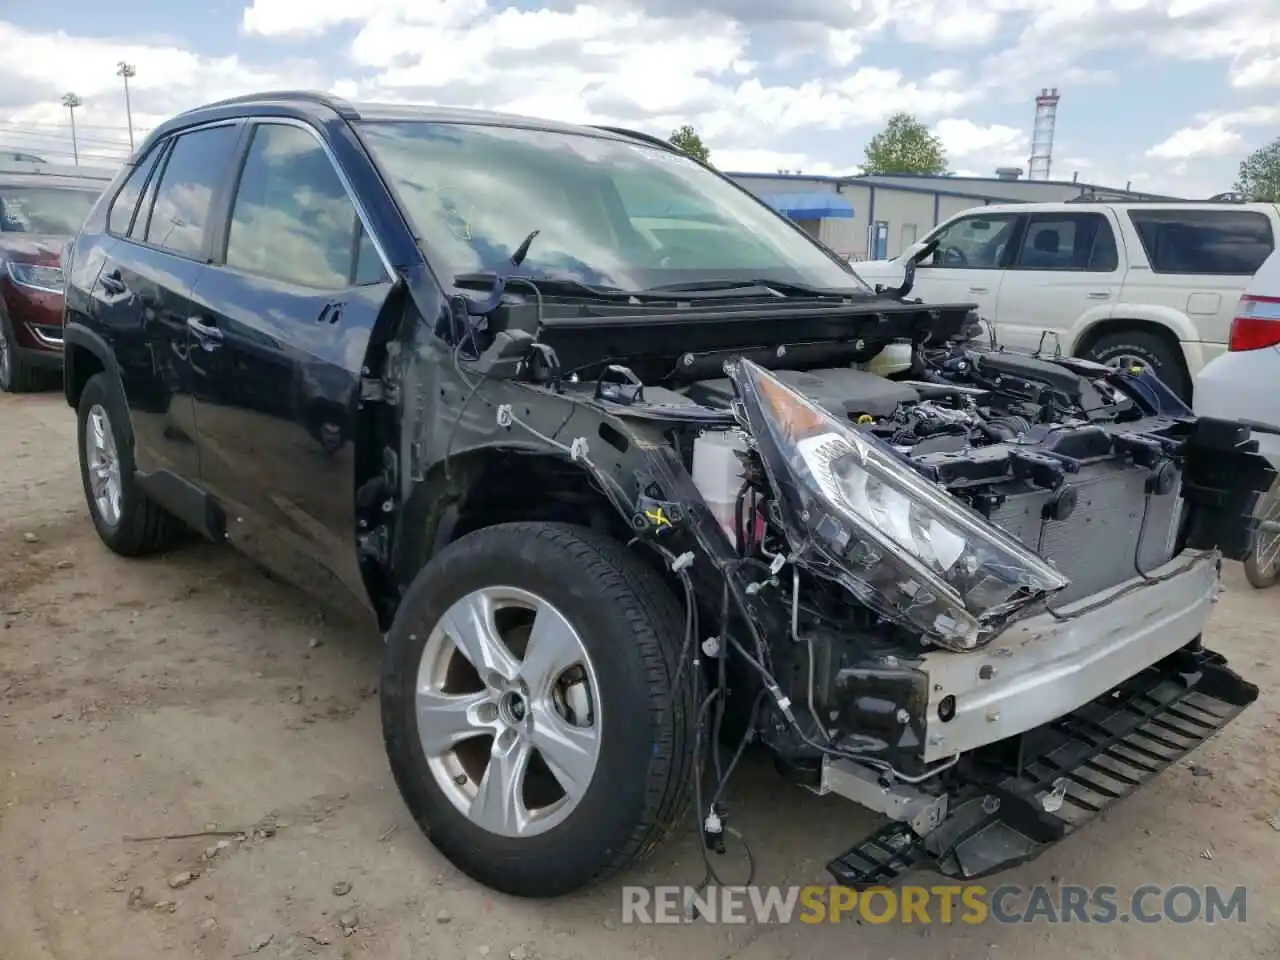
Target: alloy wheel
x=103, y=463
x=508, y=711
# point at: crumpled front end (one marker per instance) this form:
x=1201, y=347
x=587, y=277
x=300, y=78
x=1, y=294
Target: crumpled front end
x=919, y=649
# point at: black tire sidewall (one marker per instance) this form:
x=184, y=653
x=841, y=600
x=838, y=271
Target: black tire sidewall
x=100, y=391
x=1153, y=352
x=13, y=374
x=571, y=854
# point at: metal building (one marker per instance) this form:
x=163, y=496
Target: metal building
x=873, y=217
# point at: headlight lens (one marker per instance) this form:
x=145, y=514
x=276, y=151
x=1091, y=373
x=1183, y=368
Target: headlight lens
x=899, y=542
x=35, y=276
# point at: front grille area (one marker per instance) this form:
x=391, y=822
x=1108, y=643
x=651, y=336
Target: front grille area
x=1105, y=540
x=1086, y=760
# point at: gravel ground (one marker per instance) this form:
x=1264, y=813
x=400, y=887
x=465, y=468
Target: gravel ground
x=191, y=693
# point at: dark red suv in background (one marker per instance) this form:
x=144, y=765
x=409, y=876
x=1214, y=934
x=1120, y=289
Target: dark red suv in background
x=41, y=208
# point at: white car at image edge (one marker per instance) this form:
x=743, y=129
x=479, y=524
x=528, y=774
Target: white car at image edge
x=1244, y=384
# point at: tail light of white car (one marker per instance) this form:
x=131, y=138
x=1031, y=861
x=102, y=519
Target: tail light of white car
x=1256, y=324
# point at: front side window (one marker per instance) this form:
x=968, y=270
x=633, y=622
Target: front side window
x=1230, y=243
x=57, y=211
x=196, y=166
x=1067, y=241
x=975, y=243
x=608, y=212
x=292, y=218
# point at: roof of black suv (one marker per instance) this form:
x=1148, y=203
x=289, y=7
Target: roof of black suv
x=323, y=106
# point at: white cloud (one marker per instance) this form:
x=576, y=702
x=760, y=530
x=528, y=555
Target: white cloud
x=985, y=147
x=1214, y=134
x=763, y=82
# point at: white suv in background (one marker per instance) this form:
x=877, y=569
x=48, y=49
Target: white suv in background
x=1116, y=282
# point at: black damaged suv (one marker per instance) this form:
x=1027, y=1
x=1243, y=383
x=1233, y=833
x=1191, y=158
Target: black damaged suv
x=598, y=439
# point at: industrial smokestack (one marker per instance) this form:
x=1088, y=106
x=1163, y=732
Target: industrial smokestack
x=1042, y=134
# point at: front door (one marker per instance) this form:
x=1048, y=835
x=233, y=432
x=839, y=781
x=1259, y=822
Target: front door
x=968, y=265
x=282, y=319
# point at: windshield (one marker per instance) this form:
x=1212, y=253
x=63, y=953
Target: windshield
x=608, y=212
x=55, y=210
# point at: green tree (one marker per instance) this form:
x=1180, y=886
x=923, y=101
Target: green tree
x=1259, y=177
x=905, y=145
x=687, y=139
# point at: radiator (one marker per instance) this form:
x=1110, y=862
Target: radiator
x=1105, y=541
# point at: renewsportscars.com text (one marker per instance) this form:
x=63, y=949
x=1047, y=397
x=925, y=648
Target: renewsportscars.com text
x=937, y=904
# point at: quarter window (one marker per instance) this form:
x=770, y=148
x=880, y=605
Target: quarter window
x=126, y=201
x=292, y=219
x=197, y=164
x=974, y=243
x=1068, y=241
x=1207, y=242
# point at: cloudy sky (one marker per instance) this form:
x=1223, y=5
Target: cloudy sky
x=1166, y=94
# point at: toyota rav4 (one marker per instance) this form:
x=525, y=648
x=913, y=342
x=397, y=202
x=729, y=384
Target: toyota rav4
x=615, y=495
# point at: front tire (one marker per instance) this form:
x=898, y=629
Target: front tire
x=528, y=710
x=16, y=375
x=127, y=521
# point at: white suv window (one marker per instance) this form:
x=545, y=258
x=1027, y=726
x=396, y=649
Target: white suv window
x=974, y=242
x=1232, y=243
x=1067, y=241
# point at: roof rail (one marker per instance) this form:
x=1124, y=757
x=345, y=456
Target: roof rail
x=339, y=106
x=638, y=135
x=1105, y=198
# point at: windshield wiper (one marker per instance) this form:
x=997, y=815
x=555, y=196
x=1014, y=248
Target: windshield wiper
x=561, y=285
x=778, y=288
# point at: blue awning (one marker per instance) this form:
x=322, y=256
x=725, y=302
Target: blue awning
x=810, y=206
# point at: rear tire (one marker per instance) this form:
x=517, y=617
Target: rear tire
x=1262, y=565
x=629, y=629
x=128, y=521
x=17, y=376
x=1150, y=350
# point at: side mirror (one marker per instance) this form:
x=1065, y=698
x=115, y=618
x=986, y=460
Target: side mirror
x=915, y=253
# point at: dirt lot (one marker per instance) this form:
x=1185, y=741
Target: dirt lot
x=191, y=693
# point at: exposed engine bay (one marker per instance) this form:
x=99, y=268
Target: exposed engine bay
x=906, y=581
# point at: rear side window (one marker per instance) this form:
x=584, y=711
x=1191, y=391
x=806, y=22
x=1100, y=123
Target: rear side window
x=1231, y=243
x=126, y=201
x=1068, y=241
x=197, y=165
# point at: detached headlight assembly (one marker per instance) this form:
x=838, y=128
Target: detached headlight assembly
x=36, y=276
x=858, y=515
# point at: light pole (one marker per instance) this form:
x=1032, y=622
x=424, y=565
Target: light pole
x=71, y=101
x=124, y=72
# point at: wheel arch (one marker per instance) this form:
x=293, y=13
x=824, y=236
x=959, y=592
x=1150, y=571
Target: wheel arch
x=85, y=354
x=487, y=486
x=1170, y=332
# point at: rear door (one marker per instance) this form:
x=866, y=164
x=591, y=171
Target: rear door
x=1066, y=271
x=159, y=226
x=968, y=265
x=280, y=324
x=1198, y=261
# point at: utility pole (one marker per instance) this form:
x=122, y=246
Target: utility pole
x=124, y=72
x=71, y=101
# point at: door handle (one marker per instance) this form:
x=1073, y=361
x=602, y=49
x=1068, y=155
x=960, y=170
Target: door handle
x=332, y=312
x=113, y=283
x=205, y=330
x=979, y=290
x=1099, y=296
